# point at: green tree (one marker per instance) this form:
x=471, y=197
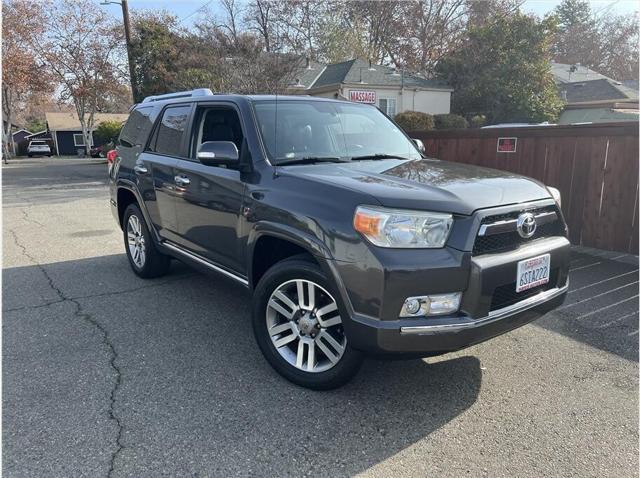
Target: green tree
x=107, y=132
x=502, y=71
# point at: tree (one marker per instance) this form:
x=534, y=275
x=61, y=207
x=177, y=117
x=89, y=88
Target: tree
x=22, y=76
x=81, y=46
x=604, y=42
x=108, y=131
x=502, y=70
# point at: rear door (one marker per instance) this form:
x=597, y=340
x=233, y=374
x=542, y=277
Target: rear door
x=210, y=201
x=155, y=168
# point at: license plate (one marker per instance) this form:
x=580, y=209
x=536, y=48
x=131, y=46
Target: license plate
x=533, y=272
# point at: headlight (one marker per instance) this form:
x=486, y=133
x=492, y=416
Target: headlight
x=401, y=228
x=556, y=195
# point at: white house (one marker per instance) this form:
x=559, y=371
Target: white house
x=391, y=90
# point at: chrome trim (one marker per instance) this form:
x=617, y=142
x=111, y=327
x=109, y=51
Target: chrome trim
x=511, y=225
x=205, y=262
x=493, y=315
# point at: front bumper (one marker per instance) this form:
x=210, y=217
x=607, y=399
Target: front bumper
x=480, y=317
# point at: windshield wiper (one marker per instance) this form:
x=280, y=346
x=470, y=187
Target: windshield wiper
x=377, y=156
x=310, y=160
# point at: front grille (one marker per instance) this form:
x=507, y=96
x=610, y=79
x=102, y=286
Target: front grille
x=506, y=295
x=512, y=240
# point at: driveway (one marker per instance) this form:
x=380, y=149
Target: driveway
x=108, y=374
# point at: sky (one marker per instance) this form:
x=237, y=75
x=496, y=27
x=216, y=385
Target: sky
x=188, y=9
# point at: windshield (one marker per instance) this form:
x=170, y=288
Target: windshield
x=38, y=143
x=316, y=129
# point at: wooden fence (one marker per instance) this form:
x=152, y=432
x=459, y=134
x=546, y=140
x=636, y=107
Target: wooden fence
x=594, y=166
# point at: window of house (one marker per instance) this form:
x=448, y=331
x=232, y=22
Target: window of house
x=170, y=132
x=388, y=106
x=78, y=140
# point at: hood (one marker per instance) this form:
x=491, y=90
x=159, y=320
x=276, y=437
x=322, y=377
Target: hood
x=427, y=183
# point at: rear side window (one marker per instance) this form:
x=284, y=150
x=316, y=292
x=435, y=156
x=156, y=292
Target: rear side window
x=135, y=131
x=171, y=130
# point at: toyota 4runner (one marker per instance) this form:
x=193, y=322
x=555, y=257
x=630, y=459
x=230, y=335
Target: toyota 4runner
x=350, y=240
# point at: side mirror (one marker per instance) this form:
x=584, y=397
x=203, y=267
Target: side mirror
x=419, y=144
x=218, y=153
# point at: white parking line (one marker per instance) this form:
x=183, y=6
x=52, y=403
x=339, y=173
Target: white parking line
x=606, y=307
x=603, y=281
x=619, y=319
x=635, y=332
x=598, y=295
x=584, y=267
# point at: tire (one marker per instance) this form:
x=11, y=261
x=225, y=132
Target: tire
x=144, y=258
x=30, y=155
x=333, y=362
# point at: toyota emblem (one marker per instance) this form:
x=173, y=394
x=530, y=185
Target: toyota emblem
x=526, y=225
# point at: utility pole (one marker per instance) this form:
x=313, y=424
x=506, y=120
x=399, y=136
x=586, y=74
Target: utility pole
x=127, y=36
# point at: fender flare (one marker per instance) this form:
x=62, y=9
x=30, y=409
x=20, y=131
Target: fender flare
x=131, y=187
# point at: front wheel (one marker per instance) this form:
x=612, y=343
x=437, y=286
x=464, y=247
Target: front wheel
x=298, y=326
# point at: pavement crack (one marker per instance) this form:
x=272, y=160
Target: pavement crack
x=106, y=340
x=28, y=218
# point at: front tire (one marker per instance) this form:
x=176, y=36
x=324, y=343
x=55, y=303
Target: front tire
x=144, y=258
x=298, y=326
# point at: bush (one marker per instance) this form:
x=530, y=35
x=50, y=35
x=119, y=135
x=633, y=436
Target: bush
x=107, y=132
x=450, y=121
x=478, y=121
x=414, y=121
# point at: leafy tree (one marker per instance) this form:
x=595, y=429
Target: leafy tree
x=107, y=131
x=23, y=76
x=35, y=125
x=503, y=71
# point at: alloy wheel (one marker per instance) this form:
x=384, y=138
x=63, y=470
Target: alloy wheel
x=304, y=325
x=135, y=240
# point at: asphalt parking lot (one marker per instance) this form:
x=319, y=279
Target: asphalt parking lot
x=107, y=374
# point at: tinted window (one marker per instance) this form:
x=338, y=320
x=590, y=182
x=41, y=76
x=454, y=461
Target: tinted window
x=138, y=125
x=171, y=131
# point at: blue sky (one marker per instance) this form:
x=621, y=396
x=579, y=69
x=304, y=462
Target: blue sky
x=184, y=8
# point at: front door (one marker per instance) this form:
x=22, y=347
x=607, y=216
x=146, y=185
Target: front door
x=209, y=202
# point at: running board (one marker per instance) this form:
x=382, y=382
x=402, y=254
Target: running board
x=202, y=261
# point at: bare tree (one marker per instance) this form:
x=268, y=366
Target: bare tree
x=82, y=47
x=22, y=77
x=260, y=18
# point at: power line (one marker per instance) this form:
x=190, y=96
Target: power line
x=196, y=11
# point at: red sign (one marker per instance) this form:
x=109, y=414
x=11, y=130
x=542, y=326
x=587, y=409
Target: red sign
x=363, y=96
x=507, y=145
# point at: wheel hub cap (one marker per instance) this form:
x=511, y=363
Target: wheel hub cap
x=305, y=327
x=135, y=240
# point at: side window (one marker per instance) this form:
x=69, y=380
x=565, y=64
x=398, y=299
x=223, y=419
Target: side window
x=169, y=134
x=217, y=124
x=135, y=130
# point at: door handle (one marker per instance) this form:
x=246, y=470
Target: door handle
x=140, y=169
x=181, y=180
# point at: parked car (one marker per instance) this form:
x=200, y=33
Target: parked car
x=38, y=148
x=349, y=239
x=97, y=151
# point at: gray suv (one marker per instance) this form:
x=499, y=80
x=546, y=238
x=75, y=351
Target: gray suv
x=350, y=240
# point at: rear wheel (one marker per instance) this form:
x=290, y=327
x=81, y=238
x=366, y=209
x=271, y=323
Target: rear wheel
x=144, y=258
x=298, y=326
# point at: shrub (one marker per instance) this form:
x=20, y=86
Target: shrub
x=414, y=121
x=450, y=121
x=478, y=121
x=107, y=132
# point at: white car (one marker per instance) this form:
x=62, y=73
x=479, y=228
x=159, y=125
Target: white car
x=38, y=148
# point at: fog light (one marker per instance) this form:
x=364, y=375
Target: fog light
x=437, y=304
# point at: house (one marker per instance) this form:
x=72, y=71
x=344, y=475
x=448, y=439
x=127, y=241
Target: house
x=20, y=141
x=393, y=91
x=591, y=97
x=66, y=132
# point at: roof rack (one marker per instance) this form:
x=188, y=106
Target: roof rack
x=179, y=94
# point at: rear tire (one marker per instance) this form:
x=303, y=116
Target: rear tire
x=303, y=337
x=144, y=258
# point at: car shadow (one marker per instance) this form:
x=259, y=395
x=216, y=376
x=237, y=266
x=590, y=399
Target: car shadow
x=197, y=397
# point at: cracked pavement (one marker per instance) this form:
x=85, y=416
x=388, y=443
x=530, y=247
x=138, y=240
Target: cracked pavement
x=105, y=374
